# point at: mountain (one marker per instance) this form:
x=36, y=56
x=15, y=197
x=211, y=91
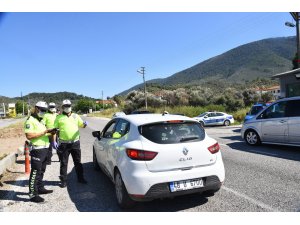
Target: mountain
x=57, y=97
x=261, y=59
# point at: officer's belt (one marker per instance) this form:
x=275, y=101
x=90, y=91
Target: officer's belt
x=67, y=142
x=39, y=146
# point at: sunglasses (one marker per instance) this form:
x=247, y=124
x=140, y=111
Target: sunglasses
x=42, y=109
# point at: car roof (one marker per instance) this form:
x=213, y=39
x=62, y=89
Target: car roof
x=142, y=119
x=214, y=112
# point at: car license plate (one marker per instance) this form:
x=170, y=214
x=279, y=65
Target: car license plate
x=186, y=184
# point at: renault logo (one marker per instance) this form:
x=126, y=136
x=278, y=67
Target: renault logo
x=185, y=151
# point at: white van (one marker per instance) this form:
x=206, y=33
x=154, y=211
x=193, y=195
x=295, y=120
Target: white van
x=279, y=124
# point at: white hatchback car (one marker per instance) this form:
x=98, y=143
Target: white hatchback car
x=150, y=156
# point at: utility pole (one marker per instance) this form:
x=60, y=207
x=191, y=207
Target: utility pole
x=142, y=71
x=298, y=38
x=4, y=110
x=102, y=101
x=22, y=102
x=296, y=17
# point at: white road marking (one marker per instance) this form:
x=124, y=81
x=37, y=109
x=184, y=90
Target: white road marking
x=256, y=202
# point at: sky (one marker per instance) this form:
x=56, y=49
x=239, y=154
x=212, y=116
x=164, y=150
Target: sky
x=91, y=52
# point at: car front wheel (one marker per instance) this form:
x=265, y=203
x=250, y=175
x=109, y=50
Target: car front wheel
x=226, y=123
x=252, y=138
x=121, y=193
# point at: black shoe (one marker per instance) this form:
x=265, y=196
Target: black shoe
x=37, y=199
x=82, y=181
x=44, y=191
x=63, y=184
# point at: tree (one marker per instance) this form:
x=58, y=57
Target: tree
x=83, y=105
x=19, y=107
x=249, y=97
x=266, y=97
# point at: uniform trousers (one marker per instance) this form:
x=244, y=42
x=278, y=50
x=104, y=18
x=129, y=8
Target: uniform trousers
x=64, y=150
x=38, y=168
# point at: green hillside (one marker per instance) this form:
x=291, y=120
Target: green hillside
x=57, y=97
x=261, y=59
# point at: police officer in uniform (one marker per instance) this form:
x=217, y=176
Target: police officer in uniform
x=49, y=119
x=37, y=134
x=68, y=124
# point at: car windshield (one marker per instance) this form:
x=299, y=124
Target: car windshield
x=255, y=109
x=201, y=115
x=172, y=133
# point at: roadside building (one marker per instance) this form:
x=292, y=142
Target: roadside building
x=289, y=83
x=274, y=90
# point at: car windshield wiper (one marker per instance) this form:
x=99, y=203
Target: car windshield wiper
x=188, y=138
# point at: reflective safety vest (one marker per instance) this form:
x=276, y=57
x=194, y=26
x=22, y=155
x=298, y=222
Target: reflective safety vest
x=68, y=126
x=33, y=125
x=49, y=119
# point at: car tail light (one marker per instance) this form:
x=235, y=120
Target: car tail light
x=214, y=148
x=140, y=154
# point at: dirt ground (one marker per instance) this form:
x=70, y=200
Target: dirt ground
x=11, y=138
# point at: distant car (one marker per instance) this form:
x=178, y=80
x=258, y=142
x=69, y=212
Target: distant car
x=153, y=156
x=255, y=109
x=279, y=123
x=140, y=112
x=117, y=114
x=215, y=118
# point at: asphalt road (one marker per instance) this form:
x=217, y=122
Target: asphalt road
x=264, y=178
x=7, y=122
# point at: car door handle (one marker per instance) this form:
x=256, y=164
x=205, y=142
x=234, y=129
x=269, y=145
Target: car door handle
x=282, y=121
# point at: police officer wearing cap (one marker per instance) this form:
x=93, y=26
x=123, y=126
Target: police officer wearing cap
x=37, y=134
x=49, y=119
x=68, y=124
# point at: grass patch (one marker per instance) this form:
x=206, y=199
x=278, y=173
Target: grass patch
x=190, y=111
x=107, y=113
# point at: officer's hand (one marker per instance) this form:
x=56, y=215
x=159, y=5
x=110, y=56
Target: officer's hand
x=84, y=124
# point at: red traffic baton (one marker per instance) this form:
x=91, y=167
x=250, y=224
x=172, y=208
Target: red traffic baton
x=27, y=161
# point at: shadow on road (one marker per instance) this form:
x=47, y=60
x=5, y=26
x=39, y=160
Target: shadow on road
x=24, y=183
x=279, y=151
x=13, y=196
x=99, y=195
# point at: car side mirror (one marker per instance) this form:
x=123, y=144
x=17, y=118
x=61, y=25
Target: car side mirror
x=205, y=117
x=96, y=134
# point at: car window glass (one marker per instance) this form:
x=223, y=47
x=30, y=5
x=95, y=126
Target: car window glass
x=122, y=127
x=220, y=114
x=202, y=115
x=255, y=109
x=171, y=133
x=275, y=111
x=108, y=131
x=293, y=108
x=210, y=115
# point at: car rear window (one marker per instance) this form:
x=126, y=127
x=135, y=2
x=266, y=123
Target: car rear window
x=172, y=133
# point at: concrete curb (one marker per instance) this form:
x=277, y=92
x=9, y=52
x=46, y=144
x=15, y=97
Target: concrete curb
x=7, y=162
